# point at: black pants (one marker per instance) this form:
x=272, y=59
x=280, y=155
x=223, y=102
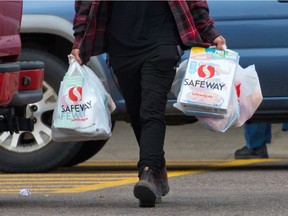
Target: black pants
x=145, y=81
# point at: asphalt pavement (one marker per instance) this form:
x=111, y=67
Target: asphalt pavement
x=190, y=142
x=204, y=179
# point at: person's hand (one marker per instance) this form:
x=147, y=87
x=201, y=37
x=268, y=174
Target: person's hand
x=76, y=54
x=220, y=43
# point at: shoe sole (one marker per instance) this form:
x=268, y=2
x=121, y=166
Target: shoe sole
x=165, y=191
x=146, y=194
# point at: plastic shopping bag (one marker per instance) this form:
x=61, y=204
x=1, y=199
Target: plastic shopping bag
x=84, y=107
x=206, y=86
x=248, y=91
x=180, y=71
x=244, y=101
x=228, y=120
x=216, y=123
x=245, y=98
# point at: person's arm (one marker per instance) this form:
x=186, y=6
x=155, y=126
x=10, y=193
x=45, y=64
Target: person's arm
x=82, y=9
x=205, y=24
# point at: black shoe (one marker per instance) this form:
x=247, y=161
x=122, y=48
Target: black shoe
x=146, y=189
x=162, y=181
x=254, y=153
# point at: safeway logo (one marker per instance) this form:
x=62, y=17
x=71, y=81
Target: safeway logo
x=206, y=71
x=75, y=94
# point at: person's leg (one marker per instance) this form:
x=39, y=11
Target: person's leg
x=145, y=81
x=128, y=72
x=256, y=137
x=257, y=134
x=157, y=76
x=157, y=73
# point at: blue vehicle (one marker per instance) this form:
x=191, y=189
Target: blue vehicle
x=258, y=30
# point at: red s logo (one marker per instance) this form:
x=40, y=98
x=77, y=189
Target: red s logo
x=206, y=71
x=75, y=94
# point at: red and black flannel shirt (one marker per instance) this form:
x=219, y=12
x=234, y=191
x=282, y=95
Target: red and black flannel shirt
x=194, y=24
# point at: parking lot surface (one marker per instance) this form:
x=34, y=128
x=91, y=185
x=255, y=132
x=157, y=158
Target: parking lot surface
x=204, y=179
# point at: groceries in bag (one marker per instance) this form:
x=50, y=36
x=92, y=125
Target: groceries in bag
x=206, y=86
x=245, y=98
x=84, y=107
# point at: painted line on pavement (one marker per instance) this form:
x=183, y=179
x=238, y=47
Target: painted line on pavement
x=51, y=183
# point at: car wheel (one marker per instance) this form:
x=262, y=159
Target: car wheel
x=88, y=150
x=36, y=151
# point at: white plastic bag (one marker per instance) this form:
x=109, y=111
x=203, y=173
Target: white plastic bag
x=248, y=91
x=207, y=82
x=84, y=107
x=244, y=100
x=178, y=79
x=228, y=120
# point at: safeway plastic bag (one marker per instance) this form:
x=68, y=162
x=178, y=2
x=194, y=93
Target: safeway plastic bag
x=249, y=92
x=84, y=107
x=245, y=98
x=207, y=82
x=178, y=79
x=228, y=120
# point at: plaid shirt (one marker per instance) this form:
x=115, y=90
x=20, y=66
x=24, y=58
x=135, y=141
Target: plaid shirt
x=194, y=24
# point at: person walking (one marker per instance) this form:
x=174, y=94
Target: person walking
x=144, y=42
x=257, y=135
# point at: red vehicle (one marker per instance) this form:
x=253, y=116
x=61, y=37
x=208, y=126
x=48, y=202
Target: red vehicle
x=20, y=82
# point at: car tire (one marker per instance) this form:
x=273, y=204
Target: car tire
x=88, y=150
x=35, y=151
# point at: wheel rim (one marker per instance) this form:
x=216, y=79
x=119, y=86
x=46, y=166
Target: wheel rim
x=25, y=142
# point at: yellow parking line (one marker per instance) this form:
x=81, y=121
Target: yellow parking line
x=97, y=186
x=187, y=163
x=63, y=175
x=76, y=182
x=220, y=165
x=52, y=179
x=217, y=165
